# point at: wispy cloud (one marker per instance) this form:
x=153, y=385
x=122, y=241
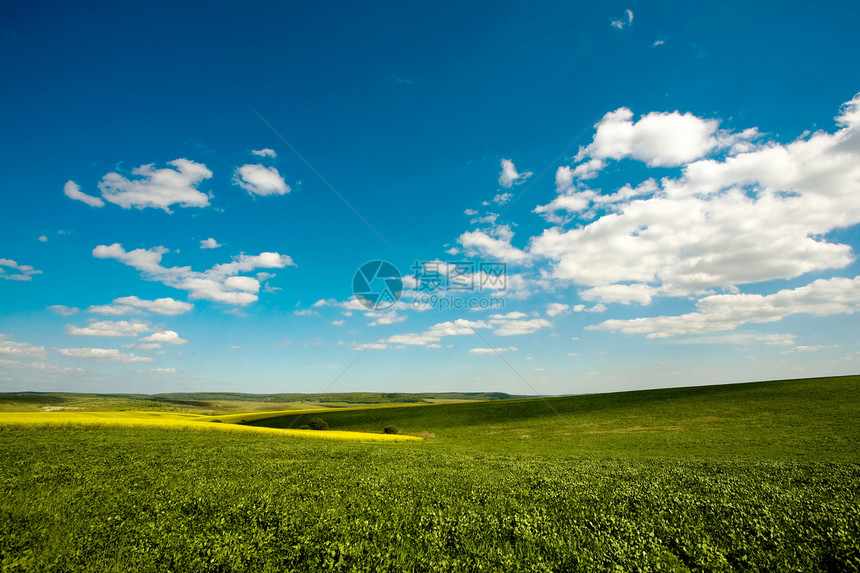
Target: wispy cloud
x=18, y=272
x=623, y=22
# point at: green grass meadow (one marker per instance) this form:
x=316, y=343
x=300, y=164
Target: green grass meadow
x=748, y=477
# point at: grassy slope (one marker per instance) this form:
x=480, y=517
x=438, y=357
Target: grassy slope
x=815, y=419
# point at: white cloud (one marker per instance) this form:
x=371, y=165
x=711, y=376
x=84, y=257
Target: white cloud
x=620, y=293
x=110, y=328
x=265, y=152
x=220, y=283
x=209, y=243
x=39, y=366
x=158, y=188
x=9, y=347
x=509, y=176
x=166, y=306
x=62, y=309
x=163, y=370
x=506, y=325
x=260, y=180
x=164, y=337
x=490, y=351
x=109, y=354
x=495, y=243
x=370, y=346
x=503, y=198
x=715, y=313
x=739, y=338
x=43, y=238
x=556, y=308
x=624, y=21
x=73, y=191
x=815, y=348
x=21, y=273
x=438, y=331
x=753, y=216
x=113, y=309
x=337, y=322
x=489, y=218
x=659, y=139
x=385, y=318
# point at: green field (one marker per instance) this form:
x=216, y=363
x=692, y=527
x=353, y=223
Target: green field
x=212, y=403
x=752, y=477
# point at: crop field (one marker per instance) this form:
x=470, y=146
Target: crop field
x=76, y=420
x=753, y=477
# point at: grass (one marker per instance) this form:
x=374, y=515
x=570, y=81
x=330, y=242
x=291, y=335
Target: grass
x=814, y=419
x=757, y=477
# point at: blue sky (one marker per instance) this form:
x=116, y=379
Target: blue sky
x=188, y=191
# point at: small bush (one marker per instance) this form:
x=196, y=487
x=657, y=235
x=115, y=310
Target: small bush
x=317, y=424
x=305, y=427
x=390, y=430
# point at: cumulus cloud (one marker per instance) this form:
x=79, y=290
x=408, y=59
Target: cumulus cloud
x=12, y=271
x=265, y=152
x=9, y=347
x=503, y=198
x=752, y=216
x=164, y=337
x=385, y=318
x=209, y=243
x=509, y=176
x=73, y=191
x=438, y=331
x=556, y=308
x=110, y=328
x=158, y=188
x=515, y=323
x=63, y=310
x=509, y=324
x=166, y=306
x=714, y=313
x=494, y=243
x=658, y=139
x=620, y=293
x=108, y=354
x=221, y=283
x=260, y=180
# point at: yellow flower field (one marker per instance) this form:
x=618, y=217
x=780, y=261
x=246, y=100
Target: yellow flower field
x=168, y=420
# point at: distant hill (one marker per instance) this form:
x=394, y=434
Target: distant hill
x=227, y=402
x=340, y=397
